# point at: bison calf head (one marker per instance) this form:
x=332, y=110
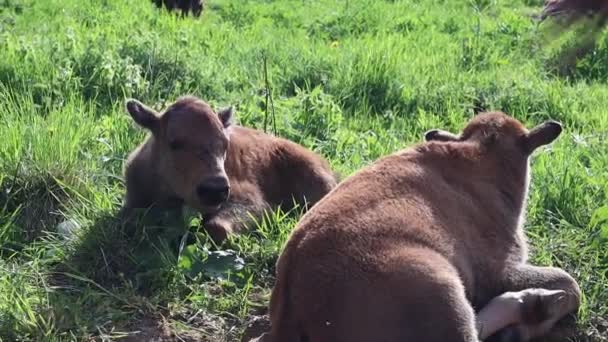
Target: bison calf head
x=501, y=133
x=189, y=143
x=500, y=147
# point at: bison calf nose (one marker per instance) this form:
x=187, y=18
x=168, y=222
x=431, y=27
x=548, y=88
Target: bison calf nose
x=213, y=191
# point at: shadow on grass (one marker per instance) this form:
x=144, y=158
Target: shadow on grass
x=28, y=207
x=116, y=278
x=139, y=252
x=123, y=278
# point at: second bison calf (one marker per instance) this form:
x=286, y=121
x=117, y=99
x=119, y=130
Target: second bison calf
x=231, y=174
x=410, y=247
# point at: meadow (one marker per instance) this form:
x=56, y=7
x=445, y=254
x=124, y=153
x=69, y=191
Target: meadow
x=352, y=79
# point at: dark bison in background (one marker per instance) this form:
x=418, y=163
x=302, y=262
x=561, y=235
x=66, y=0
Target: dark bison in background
x=574, y=11
x=587, y=18
x=195, y=6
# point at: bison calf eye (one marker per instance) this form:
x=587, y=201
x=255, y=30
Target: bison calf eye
x=176, y=145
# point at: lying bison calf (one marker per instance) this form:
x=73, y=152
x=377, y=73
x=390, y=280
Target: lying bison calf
x=229, y=173
x=407, y=248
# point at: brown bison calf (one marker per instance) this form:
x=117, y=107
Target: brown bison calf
x=231, y=174
x=407, y=248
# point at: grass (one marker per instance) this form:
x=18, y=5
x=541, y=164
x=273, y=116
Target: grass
x=351, y=79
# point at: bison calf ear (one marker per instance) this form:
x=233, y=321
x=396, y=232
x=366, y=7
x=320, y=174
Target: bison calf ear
x=144, y=116
x=226, y=116
x=439, y=135
x=542, y=134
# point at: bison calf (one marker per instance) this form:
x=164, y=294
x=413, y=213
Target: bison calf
x=410, y=247
x=231, y=174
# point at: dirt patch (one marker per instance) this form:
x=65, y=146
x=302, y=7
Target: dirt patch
x=255, y=327
x=158, y=330
x=198, y=327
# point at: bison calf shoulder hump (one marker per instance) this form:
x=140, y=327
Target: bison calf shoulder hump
x=410, y=247
x=231, y=174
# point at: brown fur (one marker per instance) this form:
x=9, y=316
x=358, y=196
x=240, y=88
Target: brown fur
x=228, y=172
x=408, y=248
x=186, y=6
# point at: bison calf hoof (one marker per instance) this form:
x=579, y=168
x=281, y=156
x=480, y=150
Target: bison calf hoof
x=541, y=305
x=537, y=310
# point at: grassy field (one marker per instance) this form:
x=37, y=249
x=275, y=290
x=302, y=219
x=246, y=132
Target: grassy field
x=351, y=79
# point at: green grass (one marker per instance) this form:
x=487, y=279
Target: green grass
x=351, y=79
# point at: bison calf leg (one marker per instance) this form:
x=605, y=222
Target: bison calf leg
x=500, y=312
x=234, y=217
x=219, y=228
x=512, y=308
x=539, y=316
